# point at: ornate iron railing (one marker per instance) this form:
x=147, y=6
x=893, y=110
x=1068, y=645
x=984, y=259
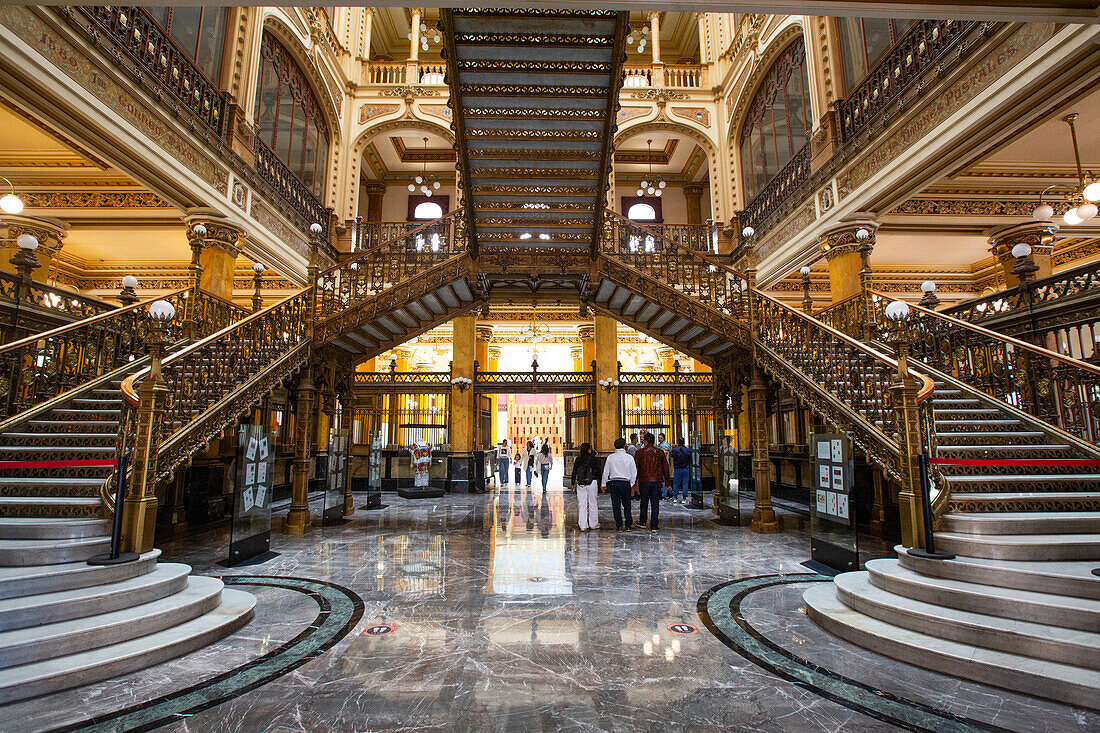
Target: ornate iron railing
x=390, y=263
x=365, y=235
x=402, y=379
x=845, y=316
x=781, y=187
x=40, y=306
x=536, y=381
x=276, y=174
x=920, y=49
x=41, y=367
x=158, y=58
x=1059, y=390
x=209, y=313
x=695, y=273
x=697, y=237
x=694, y=381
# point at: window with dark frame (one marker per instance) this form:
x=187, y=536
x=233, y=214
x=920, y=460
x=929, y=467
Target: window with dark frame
x=416, y=199
x=199, y=31
x=654, y=202
x=864, y=42
x=289, y=118
x=779, y=121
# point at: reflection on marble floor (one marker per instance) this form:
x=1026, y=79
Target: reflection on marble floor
x=505, y=617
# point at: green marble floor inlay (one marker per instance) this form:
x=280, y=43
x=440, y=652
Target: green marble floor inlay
x=720, y=609
x=339, y=610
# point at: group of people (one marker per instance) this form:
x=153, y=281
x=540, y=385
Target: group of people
x=532, y=460
x=638, y=469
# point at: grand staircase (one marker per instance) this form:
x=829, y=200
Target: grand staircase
x=64, y=622
x=1019, y=606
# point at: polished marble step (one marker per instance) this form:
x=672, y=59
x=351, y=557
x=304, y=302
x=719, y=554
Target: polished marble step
x=1065, y=578
x=1063, y=682
x=38, y=579
x=1004, y=451
x=19, y=440
x=35, y=643
x=15, y=528
x=49, y=675
x=23, y=553
x=163, y=580
x=1010, y=603
x=1024, y=501
x=1053, y=643
x=1003, y=523
x=1026, y=482
x=1021, y=547
x=50, y=506
x=65, y=427
x=33, y=486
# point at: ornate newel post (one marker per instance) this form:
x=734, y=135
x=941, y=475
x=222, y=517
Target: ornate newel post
x=763, y=513
x=903, y=398
x=139, y=510
x=928, y=298
x=258, y=281
x=807, y=301
x=128, y=296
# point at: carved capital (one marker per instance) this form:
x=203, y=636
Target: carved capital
x=48, y=231
x=1038, y=234
x=853, y=235
x=221, y=233
x=483, y=332
x=586, y=333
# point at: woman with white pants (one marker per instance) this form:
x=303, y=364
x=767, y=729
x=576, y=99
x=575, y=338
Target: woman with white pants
x=586, y=480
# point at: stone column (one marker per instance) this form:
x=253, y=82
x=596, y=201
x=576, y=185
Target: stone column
x=576, y=353
x=1038, y=234
x=763, y=514
x=462, y=400
x=483, y=334
x=587, y=336
x=375, y=193
x=606, y=356
x=218, y=250
x=298, y=520
x=49, y=232
x=412, y=66
x=847, y=254
x=693, y=194
x=655, y=48
x=494, y=361
x=667, y=355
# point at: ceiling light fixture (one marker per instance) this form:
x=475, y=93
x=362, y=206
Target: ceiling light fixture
x=651, y=187
x=434, y=36
x=425, y=182
x=10, y=203
x=641, y=35
x=1082, y=198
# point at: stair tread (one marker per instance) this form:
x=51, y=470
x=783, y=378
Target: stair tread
x=30, y=572
x=1070, y=569
x=1004, y=669
x=860, y=583
x=1010, y=447
x=1052, y=477
x=50, y=481
x=993, y=496
x=36, y=678
x=889, y=567
x=1039, y=540
x=66, y=435
x=51, y=500
x=1023, y=516
x=164, y=572
x=50, y=544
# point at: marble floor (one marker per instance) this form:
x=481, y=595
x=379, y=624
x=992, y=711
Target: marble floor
x=495, y=613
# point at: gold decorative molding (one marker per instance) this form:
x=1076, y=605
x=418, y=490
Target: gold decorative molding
x=370, y=111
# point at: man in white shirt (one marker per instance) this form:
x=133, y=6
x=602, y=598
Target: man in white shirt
x=620, y=473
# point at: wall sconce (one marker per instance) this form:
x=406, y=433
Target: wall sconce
x=462, y=383
x=608, y=384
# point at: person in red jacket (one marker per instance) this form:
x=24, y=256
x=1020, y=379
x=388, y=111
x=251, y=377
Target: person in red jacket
x=653, y=474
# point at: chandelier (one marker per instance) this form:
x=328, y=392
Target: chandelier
x=640, y=35
x=434, y=36
x=424, y=181
x=1081, y=199
x=536, y=333
x=649, y=186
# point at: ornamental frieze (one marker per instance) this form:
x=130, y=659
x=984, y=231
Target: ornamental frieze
x=370, y=111
x=94, y=200
x=698, y=115
x=965, y=207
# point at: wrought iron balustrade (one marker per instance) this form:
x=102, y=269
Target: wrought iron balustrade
x=845, y=316
x=209, y=313
x=39, y=307
x=157, y=57
x=1057, y=389
x=385, y=381
x=534, y=381
x=924, y=46
x=366, y=235
x=40, y=367
x=674, y=381
x=694, y=272
x=775, y=198
x=276, y=174
x=390, y=263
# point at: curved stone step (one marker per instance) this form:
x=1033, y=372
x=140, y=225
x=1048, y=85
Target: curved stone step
x=29, y=581
x=39, y=678
x=50, y=506
x=1025, y=501
x=22, y=553
x=16, y=528
x=1062, y=682
x=47, y=608
x=36, y=643
x=990, y=523
x=1053, y=643
x=1011, y=603
x=61, y=487
x=1059, y=578
x=1023, y=547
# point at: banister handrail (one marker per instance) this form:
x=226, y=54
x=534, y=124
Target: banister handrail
x=84, y=322
x=837, y=304
x=412, y=232
x=721, y=265
x=1014, y=342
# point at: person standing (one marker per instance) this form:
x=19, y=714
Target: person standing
x=653, y=474
x=518, y=463
x=504, y=457
x=529, y=460
x=544, y=462
x=586, y=483
x=664, y=447
x=681, y=470
x=632, y=447
x=619, y=475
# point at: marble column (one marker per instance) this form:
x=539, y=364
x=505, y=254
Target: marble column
x=587, y=336
x=494, y=362
x=655, y=48
x=763, y=514
x=298, y=520
x=693, y=195
x=217, y=251
x=848, y=256
x=606, y=356
x=462, y=400
x=1039, y=235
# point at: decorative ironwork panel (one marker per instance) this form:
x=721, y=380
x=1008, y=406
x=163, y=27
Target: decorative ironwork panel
x=786, y=183
x=534, y=381
x=275, y=173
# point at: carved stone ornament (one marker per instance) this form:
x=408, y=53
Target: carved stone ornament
x=368, y=111
x=409, y=92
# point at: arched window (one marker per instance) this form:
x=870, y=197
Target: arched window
x=779, y=120
x=288, y=116
x=642, y=212
x=864, y=42
x=427, y=210
x=200, y=32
